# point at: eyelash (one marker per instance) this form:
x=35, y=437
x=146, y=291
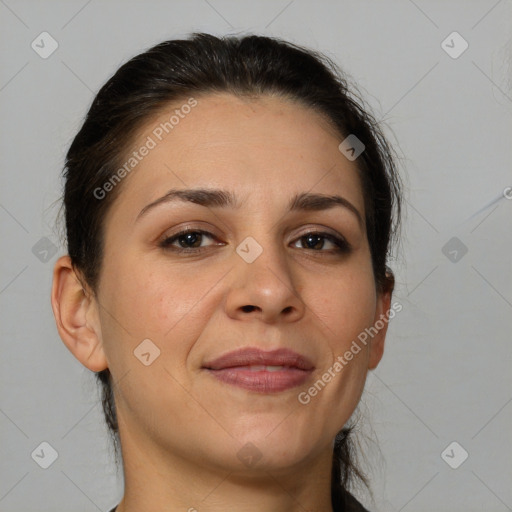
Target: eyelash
x=343, y=247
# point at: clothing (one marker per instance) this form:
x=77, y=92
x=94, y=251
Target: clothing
x=351, y=505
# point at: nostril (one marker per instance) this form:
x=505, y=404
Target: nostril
x=248, y=309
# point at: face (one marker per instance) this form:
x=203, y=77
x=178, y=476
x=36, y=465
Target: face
x=253, y=273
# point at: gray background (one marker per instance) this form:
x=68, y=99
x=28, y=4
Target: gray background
x=446, y=374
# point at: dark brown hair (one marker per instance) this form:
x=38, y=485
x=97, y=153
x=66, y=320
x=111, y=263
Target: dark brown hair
x=246, y=66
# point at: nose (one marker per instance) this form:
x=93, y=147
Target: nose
x=265, y=289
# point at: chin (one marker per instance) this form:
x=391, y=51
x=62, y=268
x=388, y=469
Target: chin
x=273, y=449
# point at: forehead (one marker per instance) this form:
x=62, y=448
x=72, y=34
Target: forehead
x=266, y=147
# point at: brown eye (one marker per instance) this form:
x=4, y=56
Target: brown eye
x=188, y=241
x=315, y=241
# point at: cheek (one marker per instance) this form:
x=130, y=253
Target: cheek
x=165, y=306
x=158, y=302
x=169, y=306
x=345, y=306
x=339, y=382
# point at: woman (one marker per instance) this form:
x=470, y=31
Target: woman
x=229, y=208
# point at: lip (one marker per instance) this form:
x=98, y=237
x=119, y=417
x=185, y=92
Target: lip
x=234, y=368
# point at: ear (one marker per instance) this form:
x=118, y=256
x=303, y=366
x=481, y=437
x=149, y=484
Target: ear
x=76, y=315
x=381, y=320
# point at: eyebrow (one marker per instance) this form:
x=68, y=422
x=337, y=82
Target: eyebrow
x=209, y=198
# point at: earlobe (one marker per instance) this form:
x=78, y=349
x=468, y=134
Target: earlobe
x=381, y=321
x=76, y=316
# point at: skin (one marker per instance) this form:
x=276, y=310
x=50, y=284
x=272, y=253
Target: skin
x=180, y=428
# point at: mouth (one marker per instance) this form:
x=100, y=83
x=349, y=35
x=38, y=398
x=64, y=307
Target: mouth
x=261, y=371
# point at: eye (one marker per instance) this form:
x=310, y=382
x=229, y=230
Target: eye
x=315, y=241
x=188, y=241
